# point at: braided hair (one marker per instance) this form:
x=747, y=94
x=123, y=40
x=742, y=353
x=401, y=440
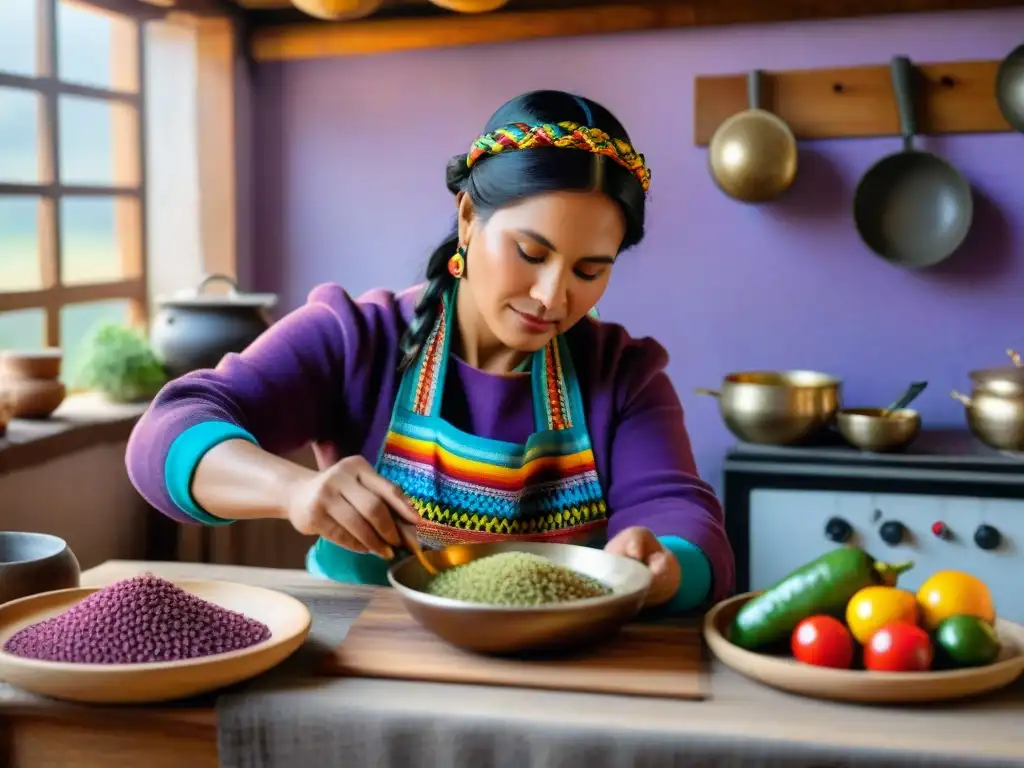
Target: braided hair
x=507, y=178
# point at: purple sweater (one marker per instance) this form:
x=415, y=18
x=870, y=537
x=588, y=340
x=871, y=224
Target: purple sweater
x=327, y=373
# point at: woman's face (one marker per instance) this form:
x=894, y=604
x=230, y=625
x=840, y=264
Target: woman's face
x=536, y=268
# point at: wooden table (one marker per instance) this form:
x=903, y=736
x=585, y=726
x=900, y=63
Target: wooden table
x=40, y=734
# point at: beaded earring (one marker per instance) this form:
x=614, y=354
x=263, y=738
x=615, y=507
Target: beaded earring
x=457, y=263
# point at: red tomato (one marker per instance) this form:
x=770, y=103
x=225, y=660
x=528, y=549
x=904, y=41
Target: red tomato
x=823, y=641
x=899, y=647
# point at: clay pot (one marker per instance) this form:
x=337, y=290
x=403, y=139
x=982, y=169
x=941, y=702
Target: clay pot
x=337, y=10
x=34, y=398
x=6, y=409
x=470, y=6
x=30, y=380
x=41, y=364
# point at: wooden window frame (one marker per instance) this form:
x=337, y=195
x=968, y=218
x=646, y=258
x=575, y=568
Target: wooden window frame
x=126, y=101
x=217, y=216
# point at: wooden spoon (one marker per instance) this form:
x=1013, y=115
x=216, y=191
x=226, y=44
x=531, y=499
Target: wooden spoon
x=412, y=542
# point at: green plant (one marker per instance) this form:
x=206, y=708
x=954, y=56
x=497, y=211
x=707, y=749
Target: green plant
x=119, y=362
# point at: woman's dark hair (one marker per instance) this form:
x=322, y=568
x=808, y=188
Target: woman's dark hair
x=504, y=179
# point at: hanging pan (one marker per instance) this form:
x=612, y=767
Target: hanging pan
x=1010, y=88
x=912, y=208
x=753, y=154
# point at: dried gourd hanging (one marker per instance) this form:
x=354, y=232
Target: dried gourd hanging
x=470, y=6
x=337, y=10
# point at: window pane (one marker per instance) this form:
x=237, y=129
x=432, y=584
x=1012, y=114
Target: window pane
x=91, y=248
x=18, y=37
x=19, y=135
x=84, y=44
x=86, y=141
x=78, y=320
x=19, y=244
x=23, y=330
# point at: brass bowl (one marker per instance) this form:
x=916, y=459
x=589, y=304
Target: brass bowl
x=872, y=429
x=498, y=629
x=777, y=407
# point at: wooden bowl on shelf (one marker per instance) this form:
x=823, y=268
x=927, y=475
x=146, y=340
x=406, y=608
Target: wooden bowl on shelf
x=859, y=686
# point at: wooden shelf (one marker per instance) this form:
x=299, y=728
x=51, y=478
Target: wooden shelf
x=956, y=97
x=526, y=20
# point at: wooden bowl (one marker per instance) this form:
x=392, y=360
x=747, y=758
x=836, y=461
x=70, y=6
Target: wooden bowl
x=39, y=364
x=861, y=686
x=500, y=629
x=289, y=621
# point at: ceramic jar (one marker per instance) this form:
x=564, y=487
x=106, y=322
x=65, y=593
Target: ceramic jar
x=33, y=563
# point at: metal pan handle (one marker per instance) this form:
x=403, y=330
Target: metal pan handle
x=903, y=87
x=754, y=81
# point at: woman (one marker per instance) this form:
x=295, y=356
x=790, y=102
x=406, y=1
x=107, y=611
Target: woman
x=485, y=404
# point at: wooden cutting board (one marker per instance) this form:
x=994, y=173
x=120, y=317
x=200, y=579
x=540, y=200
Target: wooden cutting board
x=641, y=660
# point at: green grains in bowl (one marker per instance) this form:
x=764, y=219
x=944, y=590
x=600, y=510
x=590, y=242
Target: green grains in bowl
x=514, y=579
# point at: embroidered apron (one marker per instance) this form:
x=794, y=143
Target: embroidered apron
x=470, y=489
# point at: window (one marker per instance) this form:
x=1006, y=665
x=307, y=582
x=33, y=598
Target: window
x=72, y=188
x=97, y=106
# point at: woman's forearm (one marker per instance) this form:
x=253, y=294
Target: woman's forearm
x=237, y=480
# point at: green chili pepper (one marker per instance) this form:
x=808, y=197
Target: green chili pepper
x=821, y=586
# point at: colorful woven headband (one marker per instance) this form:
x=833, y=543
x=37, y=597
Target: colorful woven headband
x=517, y=136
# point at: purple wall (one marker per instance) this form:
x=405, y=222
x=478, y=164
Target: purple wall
x=349, y=175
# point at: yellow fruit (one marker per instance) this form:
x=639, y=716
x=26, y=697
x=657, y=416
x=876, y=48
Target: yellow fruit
x=872, y=608
x=954, y=593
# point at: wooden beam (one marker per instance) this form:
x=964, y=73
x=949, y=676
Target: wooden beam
x=857, y=102
x=375, y=35
x=216, y=60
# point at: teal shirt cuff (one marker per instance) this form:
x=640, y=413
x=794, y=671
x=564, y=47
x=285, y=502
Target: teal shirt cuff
x=696, y=583
x=186, y=452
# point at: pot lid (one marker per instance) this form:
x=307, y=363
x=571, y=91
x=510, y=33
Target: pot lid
x=195, y=297
x=1006, y=373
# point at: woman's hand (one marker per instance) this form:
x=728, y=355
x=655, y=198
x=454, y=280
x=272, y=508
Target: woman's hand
x=640, y=544
x=350, y=505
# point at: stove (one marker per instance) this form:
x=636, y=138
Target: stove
x=947, y=502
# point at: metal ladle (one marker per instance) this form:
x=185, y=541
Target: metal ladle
x=915, y=389
x=753, y=154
